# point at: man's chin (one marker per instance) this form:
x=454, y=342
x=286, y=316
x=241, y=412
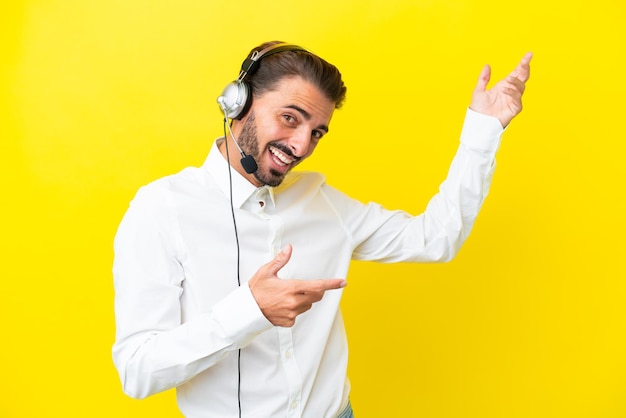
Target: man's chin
x=272, y=179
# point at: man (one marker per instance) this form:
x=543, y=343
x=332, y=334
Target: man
x=228, y=277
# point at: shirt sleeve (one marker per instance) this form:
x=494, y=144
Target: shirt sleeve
x=437, y=234
x=154, y=350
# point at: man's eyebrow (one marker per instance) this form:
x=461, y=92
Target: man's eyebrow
x=306, y=115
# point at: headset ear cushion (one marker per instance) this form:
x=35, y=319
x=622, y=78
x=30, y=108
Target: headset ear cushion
x=235, y=100
x=247, y=100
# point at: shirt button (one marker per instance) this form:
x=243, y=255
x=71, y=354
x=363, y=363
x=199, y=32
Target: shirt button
x=288, y=354
x=294, y=405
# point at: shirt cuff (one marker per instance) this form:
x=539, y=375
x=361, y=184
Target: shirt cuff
x=240, y=316
x=481, y=131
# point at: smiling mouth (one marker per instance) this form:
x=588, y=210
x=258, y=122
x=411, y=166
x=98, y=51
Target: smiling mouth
x=280, y=158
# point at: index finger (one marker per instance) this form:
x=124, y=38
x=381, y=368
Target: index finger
x=522, y=71
x=320, y=285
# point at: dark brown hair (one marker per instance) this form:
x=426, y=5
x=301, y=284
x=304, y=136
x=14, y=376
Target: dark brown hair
x=307, y=65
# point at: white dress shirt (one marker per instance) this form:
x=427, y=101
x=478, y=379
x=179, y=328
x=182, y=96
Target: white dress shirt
x=181, y=317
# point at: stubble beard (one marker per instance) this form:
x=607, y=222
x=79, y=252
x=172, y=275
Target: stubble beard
x=249, y=143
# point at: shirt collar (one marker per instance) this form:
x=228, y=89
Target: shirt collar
x=217, y=167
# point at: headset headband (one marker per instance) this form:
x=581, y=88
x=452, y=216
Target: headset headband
x=237, y=96
x=251, y=64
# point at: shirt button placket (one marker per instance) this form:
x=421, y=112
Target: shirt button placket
x=292, y=371
x=294, y=378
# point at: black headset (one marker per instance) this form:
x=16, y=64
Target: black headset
x=237, y=96
x=235, y=102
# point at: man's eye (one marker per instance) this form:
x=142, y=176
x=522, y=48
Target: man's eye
x=318, y=134
x=289, y=118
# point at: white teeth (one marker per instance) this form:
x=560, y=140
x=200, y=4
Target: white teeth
x=280, y=156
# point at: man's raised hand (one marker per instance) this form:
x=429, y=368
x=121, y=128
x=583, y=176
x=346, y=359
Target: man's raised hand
x=504, y=99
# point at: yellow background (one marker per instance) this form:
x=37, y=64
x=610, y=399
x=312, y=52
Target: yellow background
x=100, y=97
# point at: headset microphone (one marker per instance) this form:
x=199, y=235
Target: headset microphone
x=247, y=161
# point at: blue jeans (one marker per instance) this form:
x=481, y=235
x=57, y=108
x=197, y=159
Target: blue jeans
x=347, y=412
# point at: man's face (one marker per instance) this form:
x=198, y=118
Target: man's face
x=283, y=128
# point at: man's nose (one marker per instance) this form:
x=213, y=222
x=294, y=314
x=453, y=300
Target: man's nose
x=300, y=142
